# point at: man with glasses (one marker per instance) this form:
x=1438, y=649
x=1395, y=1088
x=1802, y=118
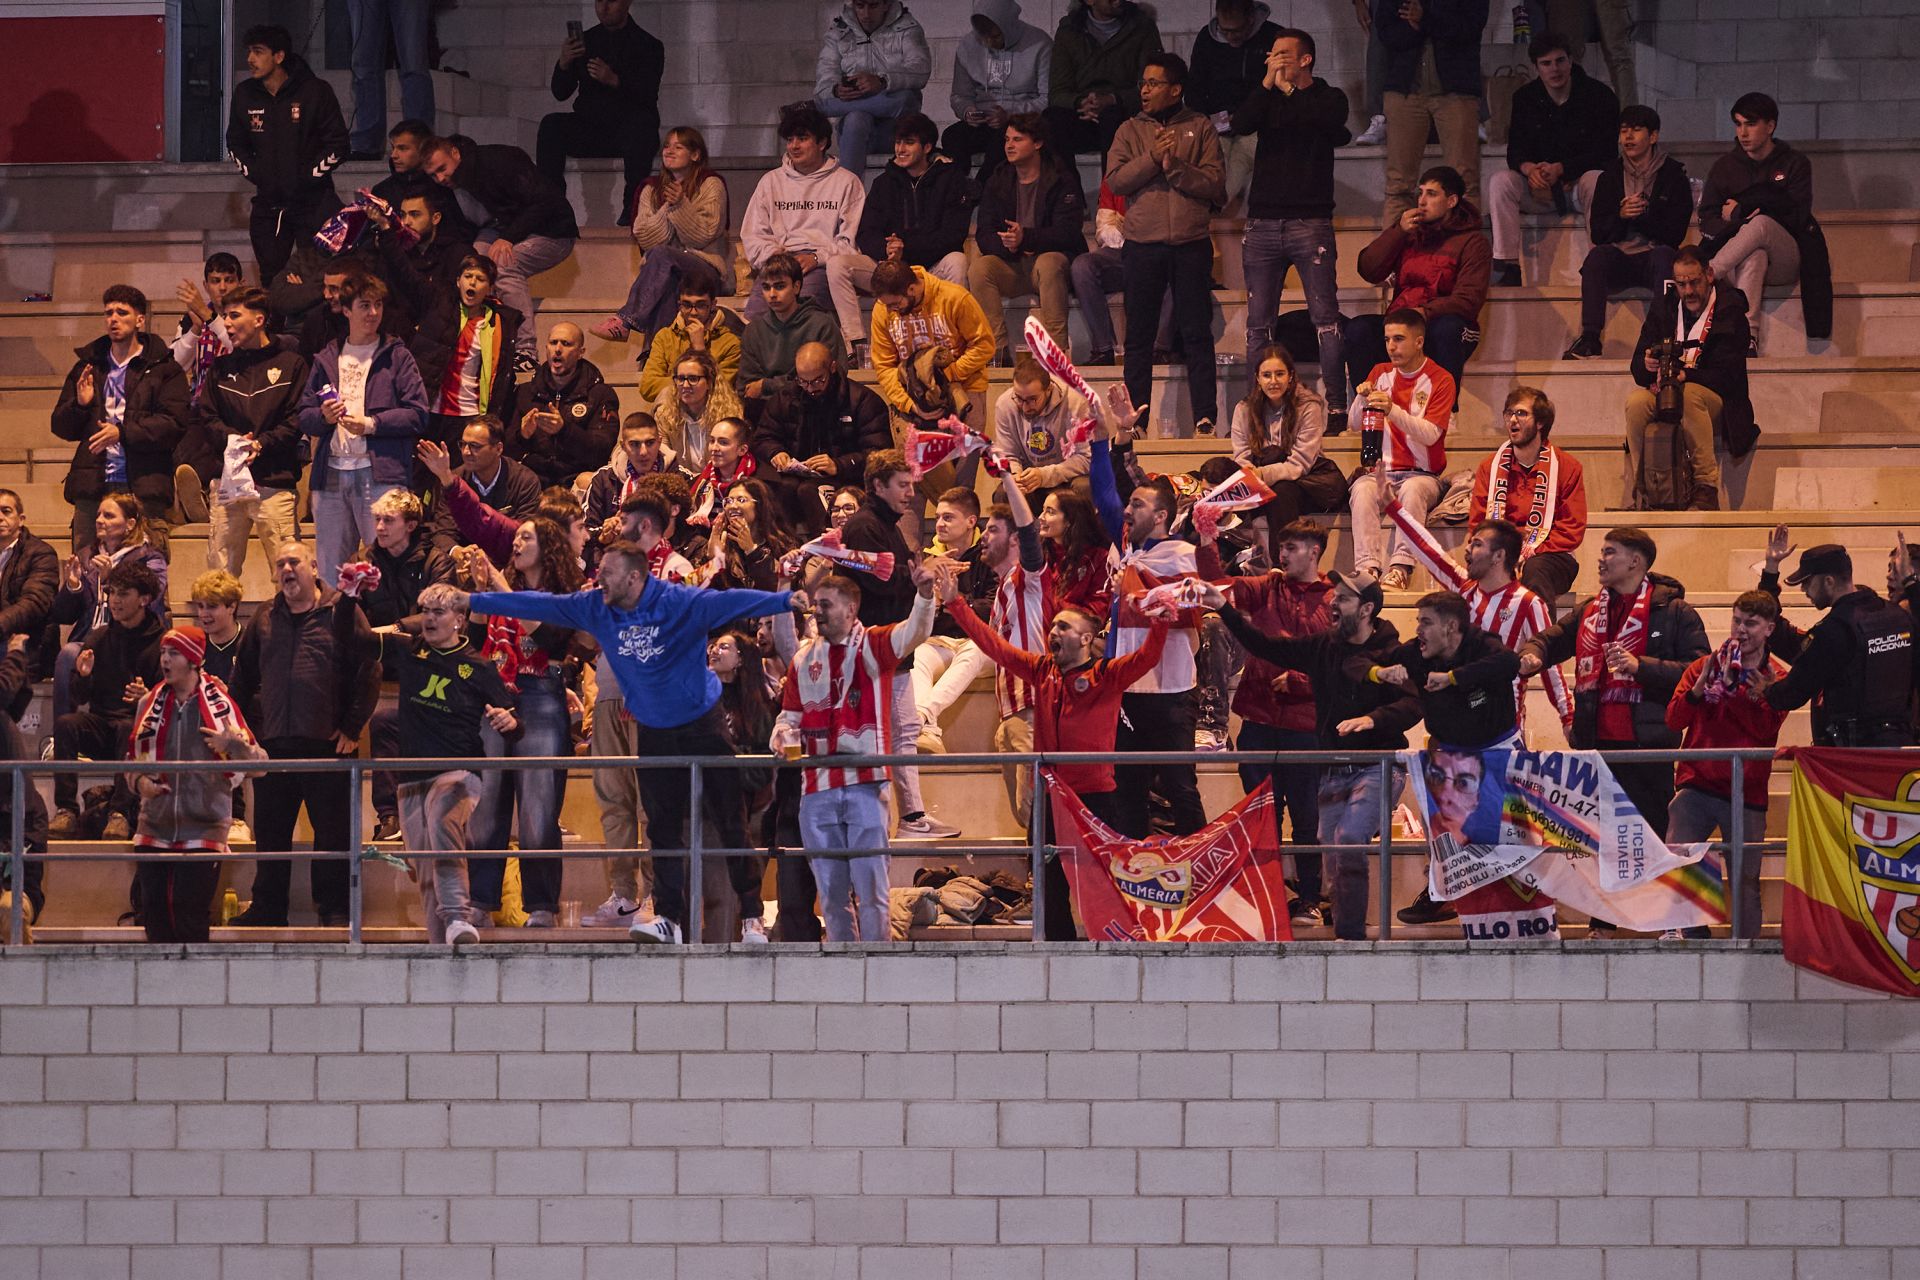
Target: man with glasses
x=1030, y=426
x=702, y=325
x=497, y=480
x=817, y=431
x=1540, y=490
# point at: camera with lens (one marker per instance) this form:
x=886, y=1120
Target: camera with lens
x=1668, y=399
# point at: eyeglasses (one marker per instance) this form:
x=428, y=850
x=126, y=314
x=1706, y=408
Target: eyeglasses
x=689, y=377
x=1519, y=413
x=813, y=384
x=1148, y=84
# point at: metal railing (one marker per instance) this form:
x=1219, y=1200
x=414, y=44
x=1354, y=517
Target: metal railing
x=696, y=851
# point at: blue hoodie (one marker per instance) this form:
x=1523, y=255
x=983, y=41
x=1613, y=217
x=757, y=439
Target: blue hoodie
x=658, y=648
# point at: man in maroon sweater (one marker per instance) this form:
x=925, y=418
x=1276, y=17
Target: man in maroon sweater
x=1276, y=706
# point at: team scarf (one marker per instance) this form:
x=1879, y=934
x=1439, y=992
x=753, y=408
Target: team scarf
x=710, y=491
x=1725, y=674
x=1590, y=669
x=153, y=719
x=1546, y=495
x=211, y=346
x=829, y=547
x=1697, y=334
x=481, y=328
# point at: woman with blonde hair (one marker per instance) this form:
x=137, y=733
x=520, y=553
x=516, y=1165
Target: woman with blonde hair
x=697, y=398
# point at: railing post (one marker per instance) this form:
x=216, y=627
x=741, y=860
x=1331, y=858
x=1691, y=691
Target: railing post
x=1036, y=824
x=17, y=861
x=356, y=900
x=696, y=829
x=1736, y=847
x=1386, y=847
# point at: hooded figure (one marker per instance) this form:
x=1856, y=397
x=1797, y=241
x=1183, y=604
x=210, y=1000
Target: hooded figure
x=1014, y=77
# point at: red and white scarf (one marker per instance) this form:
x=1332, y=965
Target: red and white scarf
x=1546, y=494
x=153, y=719
x=710, y=491
x=1590, y=669
x=1697, y=334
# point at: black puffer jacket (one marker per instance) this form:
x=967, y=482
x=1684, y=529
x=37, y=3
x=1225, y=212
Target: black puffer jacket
x=1060, y=213
x=589, y=412
x=287, y=143
x=155, y=420
x=846, y=422
x=929, y=213
x=522, y=201
x=1675, y=637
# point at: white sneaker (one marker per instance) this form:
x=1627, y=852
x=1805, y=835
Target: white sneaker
x=1482, y=132
x=931, y=740
x=654, y=931
x=1209, y=740
x=753, y=932
x=540, y=920
x=460, y=931
x=615, y=913
x=239, y=832
x=1673, y=935
x=1374, y=134
x=925, y=827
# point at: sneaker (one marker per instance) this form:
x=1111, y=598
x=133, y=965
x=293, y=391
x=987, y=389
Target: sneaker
x=460, y=931
x=932, y=740
x=1336, y=422
x=189, y=494
x=1207, y=739
x=654, y=931
x=539, y=920
x=1585, y=347
x=386, y=827
x=334, y=919
x=1203, y=427
x=753, y=932
x=65, y=826
x=1302, y=912
x=1374, y=135
x=925, y=827
x=1396, y=578
x=1602, y=932
x=255, y=919
x=1424, y=910
x=1753, y=348
x=1506, y=274
x=615, y=913
x=1481, y=133
x=117, y=828
x=1103, y=356
x=525, y=364
x=1673, y=935
x=239, y=832
x=613, y=329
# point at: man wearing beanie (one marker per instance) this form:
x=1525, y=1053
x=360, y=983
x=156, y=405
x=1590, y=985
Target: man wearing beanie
x=188, y=716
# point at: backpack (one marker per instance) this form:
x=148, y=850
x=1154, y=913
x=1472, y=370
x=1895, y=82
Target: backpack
x=1665, y=482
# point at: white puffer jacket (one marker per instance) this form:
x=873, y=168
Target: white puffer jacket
x=896, y=49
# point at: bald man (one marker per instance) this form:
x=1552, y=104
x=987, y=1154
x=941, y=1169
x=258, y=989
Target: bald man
x=817, y=430
x=568, y=416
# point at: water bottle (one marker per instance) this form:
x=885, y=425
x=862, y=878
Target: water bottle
x=1373, y=423
x=1522, y=25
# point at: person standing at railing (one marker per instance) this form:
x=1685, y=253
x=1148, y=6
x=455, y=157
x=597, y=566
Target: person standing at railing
x=1721, y=702
x=116, y=664
x=16, y=689
x=654, y=635
x=838, y=701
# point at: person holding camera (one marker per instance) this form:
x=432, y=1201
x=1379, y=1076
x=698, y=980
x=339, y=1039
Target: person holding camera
x=1691, y=364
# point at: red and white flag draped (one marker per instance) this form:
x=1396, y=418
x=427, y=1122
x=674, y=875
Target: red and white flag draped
x=1241, y=491
x=1221, y=884
x=926, y=450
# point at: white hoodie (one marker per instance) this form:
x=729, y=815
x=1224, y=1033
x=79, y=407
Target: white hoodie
x=816, y=213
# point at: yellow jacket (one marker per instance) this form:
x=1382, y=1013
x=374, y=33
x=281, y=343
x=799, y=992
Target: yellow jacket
x=948, y=314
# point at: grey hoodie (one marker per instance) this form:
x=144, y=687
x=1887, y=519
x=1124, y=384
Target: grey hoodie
x=896, y=50
x=1016, y=77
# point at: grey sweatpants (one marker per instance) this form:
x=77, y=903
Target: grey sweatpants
x=433, y=820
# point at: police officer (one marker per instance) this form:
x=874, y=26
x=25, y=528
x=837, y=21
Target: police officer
x=1856, y=665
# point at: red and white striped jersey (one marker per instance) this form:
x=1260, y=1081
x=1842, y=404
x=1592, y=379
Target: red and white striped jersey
x=1512, y=614
x=1019, y=614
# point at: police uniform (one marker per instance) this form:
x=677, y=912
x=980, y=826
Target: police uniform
x=1856, y=665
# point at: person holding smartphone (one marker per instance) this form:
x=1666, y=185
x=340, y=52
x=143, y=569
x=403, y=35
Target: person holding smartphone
x=612, y=72
x=1000, y=68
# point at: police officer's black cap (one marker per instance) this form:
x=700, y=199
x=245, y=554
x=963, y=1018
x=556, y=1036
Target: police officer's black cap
x=1828, y=557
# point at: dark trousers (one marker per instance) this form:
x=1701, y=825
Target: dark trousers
x=1548, y=574
x=634, y=140
x=1073, y=136
x=1156, y=722
x=97, y=737
x=1320, y=489
x=1607, y=270
x=1648, y=786
x=276, y=229
x=383, y=733
x=176, y=898
x=794, y=887
x=1450, y=343
x=1296, y=791
x=963, y=141
x=1187, y=269
x=664, y=795
x=1058, y=919
x=36, y=876
x=277, y=798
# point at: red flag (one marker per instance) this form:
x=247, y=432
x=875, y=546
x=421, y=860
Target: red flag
x=1220, y=884
x=1851, y=907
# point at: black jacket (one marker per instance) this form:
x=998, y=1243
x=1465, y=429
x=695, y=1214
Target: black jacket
x=1479, y=707
x=1581, y=135
x=875, y=527
x=1781, y=186
x=397, y=187
x=417, y=276
x=120, y=656
x=1669, y=206
x=637, y=59
x=1298, y=135
x=1339, y=672
x=520, y=199
x=1454, y=27
x=288, y=143
x=589, y=420
x=294, y=681
x=1060, y=212
x=301, y=316
x=846, y=422
x=516, y=492
x=435, y=337
x=1828, y=668
x=154, y=422
x=1722, y=367
x=402, y=579
x=257, y=393
x=929, y=213
x=28, y=583
x=1675, y=637
x=1220, y=75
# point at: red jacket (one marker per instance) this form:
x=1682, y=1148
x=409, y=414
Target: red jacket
x=1744, y=720
x=1072, y=711
x=1278, y=607
x=1442, y=270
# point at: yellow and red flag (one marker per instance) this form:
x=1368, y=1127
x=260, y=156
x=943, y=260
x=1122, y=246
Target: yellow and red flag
x=1852, y=907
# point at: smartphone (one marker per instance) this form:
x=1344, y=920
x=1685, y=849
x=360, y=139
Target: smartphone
x=573, y=28
x=846, y=82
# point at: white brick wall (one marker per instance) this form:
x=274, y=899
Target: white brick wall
x=938, y=1114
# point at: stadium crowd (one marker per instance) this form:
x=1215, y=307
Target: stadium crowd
x=503, y=559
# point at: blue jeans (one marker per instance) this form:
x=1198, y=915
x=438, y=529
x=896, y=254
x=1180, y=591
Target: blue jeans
x=655, y=293
x=1272, y=245
x=343, y=517
x=1296, y=789
x=849, y=818
x=543, y=732
x=370, y=21
x=1450, y=341
x=1350, y=814
x=866, y=123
